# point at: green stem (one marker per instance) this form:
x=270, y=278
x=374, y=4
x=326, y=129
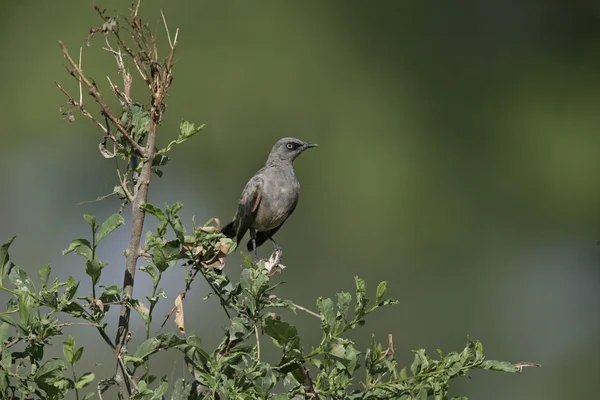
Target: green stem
x=75, y=381
x=8, y=290
x=93, y=258
x=149, y=322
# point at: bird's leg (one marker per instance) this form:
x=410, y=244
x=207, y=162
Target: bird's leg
x=254, y=248
x=277, y=252
x=275, y=245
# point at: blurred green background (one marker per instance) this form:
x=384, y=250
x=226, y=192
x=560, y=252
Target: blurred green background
x=458, y=160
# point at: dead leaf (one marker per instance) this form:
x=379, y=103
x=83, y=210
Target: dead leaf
x=99, y=304
x=272, y=265
x=208, y=229
x=104, y=151
x=179, y=318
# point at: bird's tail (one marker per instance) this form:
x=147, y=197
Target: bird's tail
x=229, y=230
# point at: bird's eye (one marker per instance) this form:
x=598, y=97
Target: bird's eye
x=291, y=146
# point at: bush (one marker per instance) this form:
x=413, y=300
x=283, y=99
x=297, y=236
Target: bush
x=234, y=369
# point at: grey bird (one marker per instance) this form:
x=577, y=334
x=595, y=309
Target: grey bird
x=269, y=197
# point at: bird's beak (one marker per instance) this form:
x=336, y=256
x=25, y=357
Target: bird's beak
x=309, y=145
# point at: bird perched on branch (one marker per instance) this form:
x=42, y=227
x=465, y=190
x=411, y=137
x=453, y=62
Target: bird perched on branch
x=269, y=197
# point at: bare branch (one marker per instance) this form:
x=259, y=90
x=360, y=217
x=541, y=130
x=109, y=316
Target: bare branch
x=124, y=187
x=306, y=310
x=80, y=86
x=166, y=29
x=85, y=112
x=93, y=90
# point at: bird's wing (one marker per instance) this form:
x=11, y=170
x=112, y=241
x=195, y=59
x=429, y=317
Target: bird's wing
x=262, y=237
x=248, y=206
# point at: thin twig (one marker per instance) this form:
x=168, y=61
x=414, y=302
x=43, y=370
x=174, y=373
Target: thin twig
x=166, y=28
x=257, y=341
x=123, y=184
x=100, y=198
x=80, y=85
x=306, y=310
x=11, y=344
x=214, y=289
x=76, y=323
x=91, y=87
x=131, y=382
x=85, y=112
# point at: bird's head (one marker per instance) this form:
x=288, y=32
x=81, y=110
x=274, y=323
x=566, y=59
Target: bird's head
x=287, y=149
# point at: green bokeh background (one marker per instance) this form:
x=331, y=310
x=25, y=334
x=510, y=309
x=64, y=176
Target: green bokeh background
x=458, y=160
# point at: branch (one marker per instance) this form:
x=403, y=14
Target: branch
x=308, y=383
x=86, y=113
x=306, y=310
x=93, y=91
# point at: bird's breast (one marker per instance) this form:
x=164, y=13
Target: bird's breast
x=278, y=199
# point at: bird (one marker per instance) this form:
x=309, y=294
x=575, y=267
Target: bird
x=269, y=197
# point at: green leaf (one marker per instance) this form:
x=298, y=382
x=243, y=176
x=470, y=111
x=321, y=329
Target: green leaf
x=112, y=223
x=150, y=270
x=260, y=284
x=77, y=355
x=142, y=309
x=347, y=355
x=60, y=383
x=282, y=333
x=361, y=297
x=494, y=365
x=112, y=290
x=93, y=268
x=343, y=304
x=70, y=291
x=422, y=395
x=5, y=263
x=6, y=356
x=152, y=345
x=175, y=221
x=263, y=384
x=110, y=294
x=21, y=280
x=3, y=331
x=91, y=220
x=10, y=320
x=157, y=212
x=161, y=390
x=80, y=246
x=186, y=131
x=415, y=367
x=84, y=380
x=246, y=279
x=166, y=256
x=44, y=274
x=26, y=302
x=327, y=315
x=381, y=290
x=194, y=352
x=50, y=369
x=68, y=348
x=238, y=328
x=478, y=352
